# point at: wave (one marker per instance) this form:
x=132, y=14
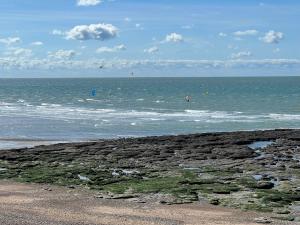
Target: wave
x=61, y=112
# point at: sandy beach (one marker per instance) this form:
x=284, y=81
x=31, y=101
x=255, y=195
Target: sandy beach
x=30, y=204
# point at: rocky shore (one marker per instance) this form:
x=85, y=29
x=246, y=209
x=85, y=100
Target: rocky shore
x=253, y=170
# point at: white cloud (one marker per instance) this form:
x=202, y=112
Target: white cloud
x=139, y=26
x=105, y=50
x=234, y=47
x=151, y=50
x=88, y=2
x=58, y=32
x=221, y=34
x=10, y=40
x=62, y=54
x=174, y=37
x=110, y=50
x=187, y=27
x=276, y=50
x=240, y=55
x=127, y=19
x=246, y=33
x=37, y=43
x=19, y=52
x=121, y=47
x=99, y=31
x=272, y=37
x=238, y=39
x=52, y=63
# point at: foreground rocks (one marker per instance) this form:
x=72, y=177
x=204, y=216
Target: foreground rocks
x=219, y=168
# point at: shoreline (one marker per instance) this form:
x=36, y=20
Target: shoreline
x=37, y=142
x=219, y=168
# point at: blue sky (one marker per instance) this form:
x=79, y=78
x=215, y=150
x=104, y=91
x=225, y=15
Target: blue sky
x=93, y=38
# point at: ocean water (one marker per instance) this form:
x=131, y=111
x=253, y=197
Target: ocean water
x=82, y=109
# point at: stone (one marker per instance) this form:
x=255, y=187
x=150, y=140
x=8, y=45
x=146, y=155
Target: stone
x=264, y=185
x=214, y=201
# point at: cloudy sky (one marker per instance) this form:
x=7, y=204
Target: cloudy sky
x=97, y=38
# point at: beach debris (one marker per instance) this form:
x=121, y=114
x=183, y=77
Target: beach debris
x=262, y=220
x=115, y=174
x=83, y=178
x=118, y=172
x=129, y=172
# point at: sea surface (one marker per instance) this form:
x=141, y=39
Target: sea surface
x=54, y=110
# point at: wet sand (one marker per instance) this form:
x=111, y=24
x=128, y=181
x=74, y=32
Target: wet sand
x=34, y=204
x=15, y=143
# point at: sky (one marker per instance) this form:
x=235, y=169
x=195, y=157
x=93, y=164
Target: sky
x=114, y=38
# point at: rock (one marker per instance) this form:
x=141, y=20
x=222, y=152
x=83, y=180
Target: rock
x=284, y=218
x=214, y=201
x=137, y=200
x=282, y=211
x=297, y=219
x=233, y=153
x=262, y=220
x=151, y=165
x=295, y=166
x=121, y=196
x=98, y=196
x=264, y=185
x=175, y=201
x=47, y=189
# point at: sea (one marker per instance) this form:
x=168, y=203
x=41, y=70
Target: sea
x=43, y=111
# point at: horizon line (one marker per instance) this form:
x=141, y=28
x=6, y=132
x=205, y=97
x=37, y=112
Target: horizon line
x=129, y=77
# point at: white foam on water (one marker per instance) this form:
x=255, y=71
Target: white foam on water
x=50, y=105
x=63, y=112
x=156, y=119
x=93, y=100
x=284, y=117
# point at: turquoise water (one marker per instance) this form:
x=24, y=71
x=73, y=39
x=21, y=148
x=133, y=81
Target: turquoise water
x=65, y=109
